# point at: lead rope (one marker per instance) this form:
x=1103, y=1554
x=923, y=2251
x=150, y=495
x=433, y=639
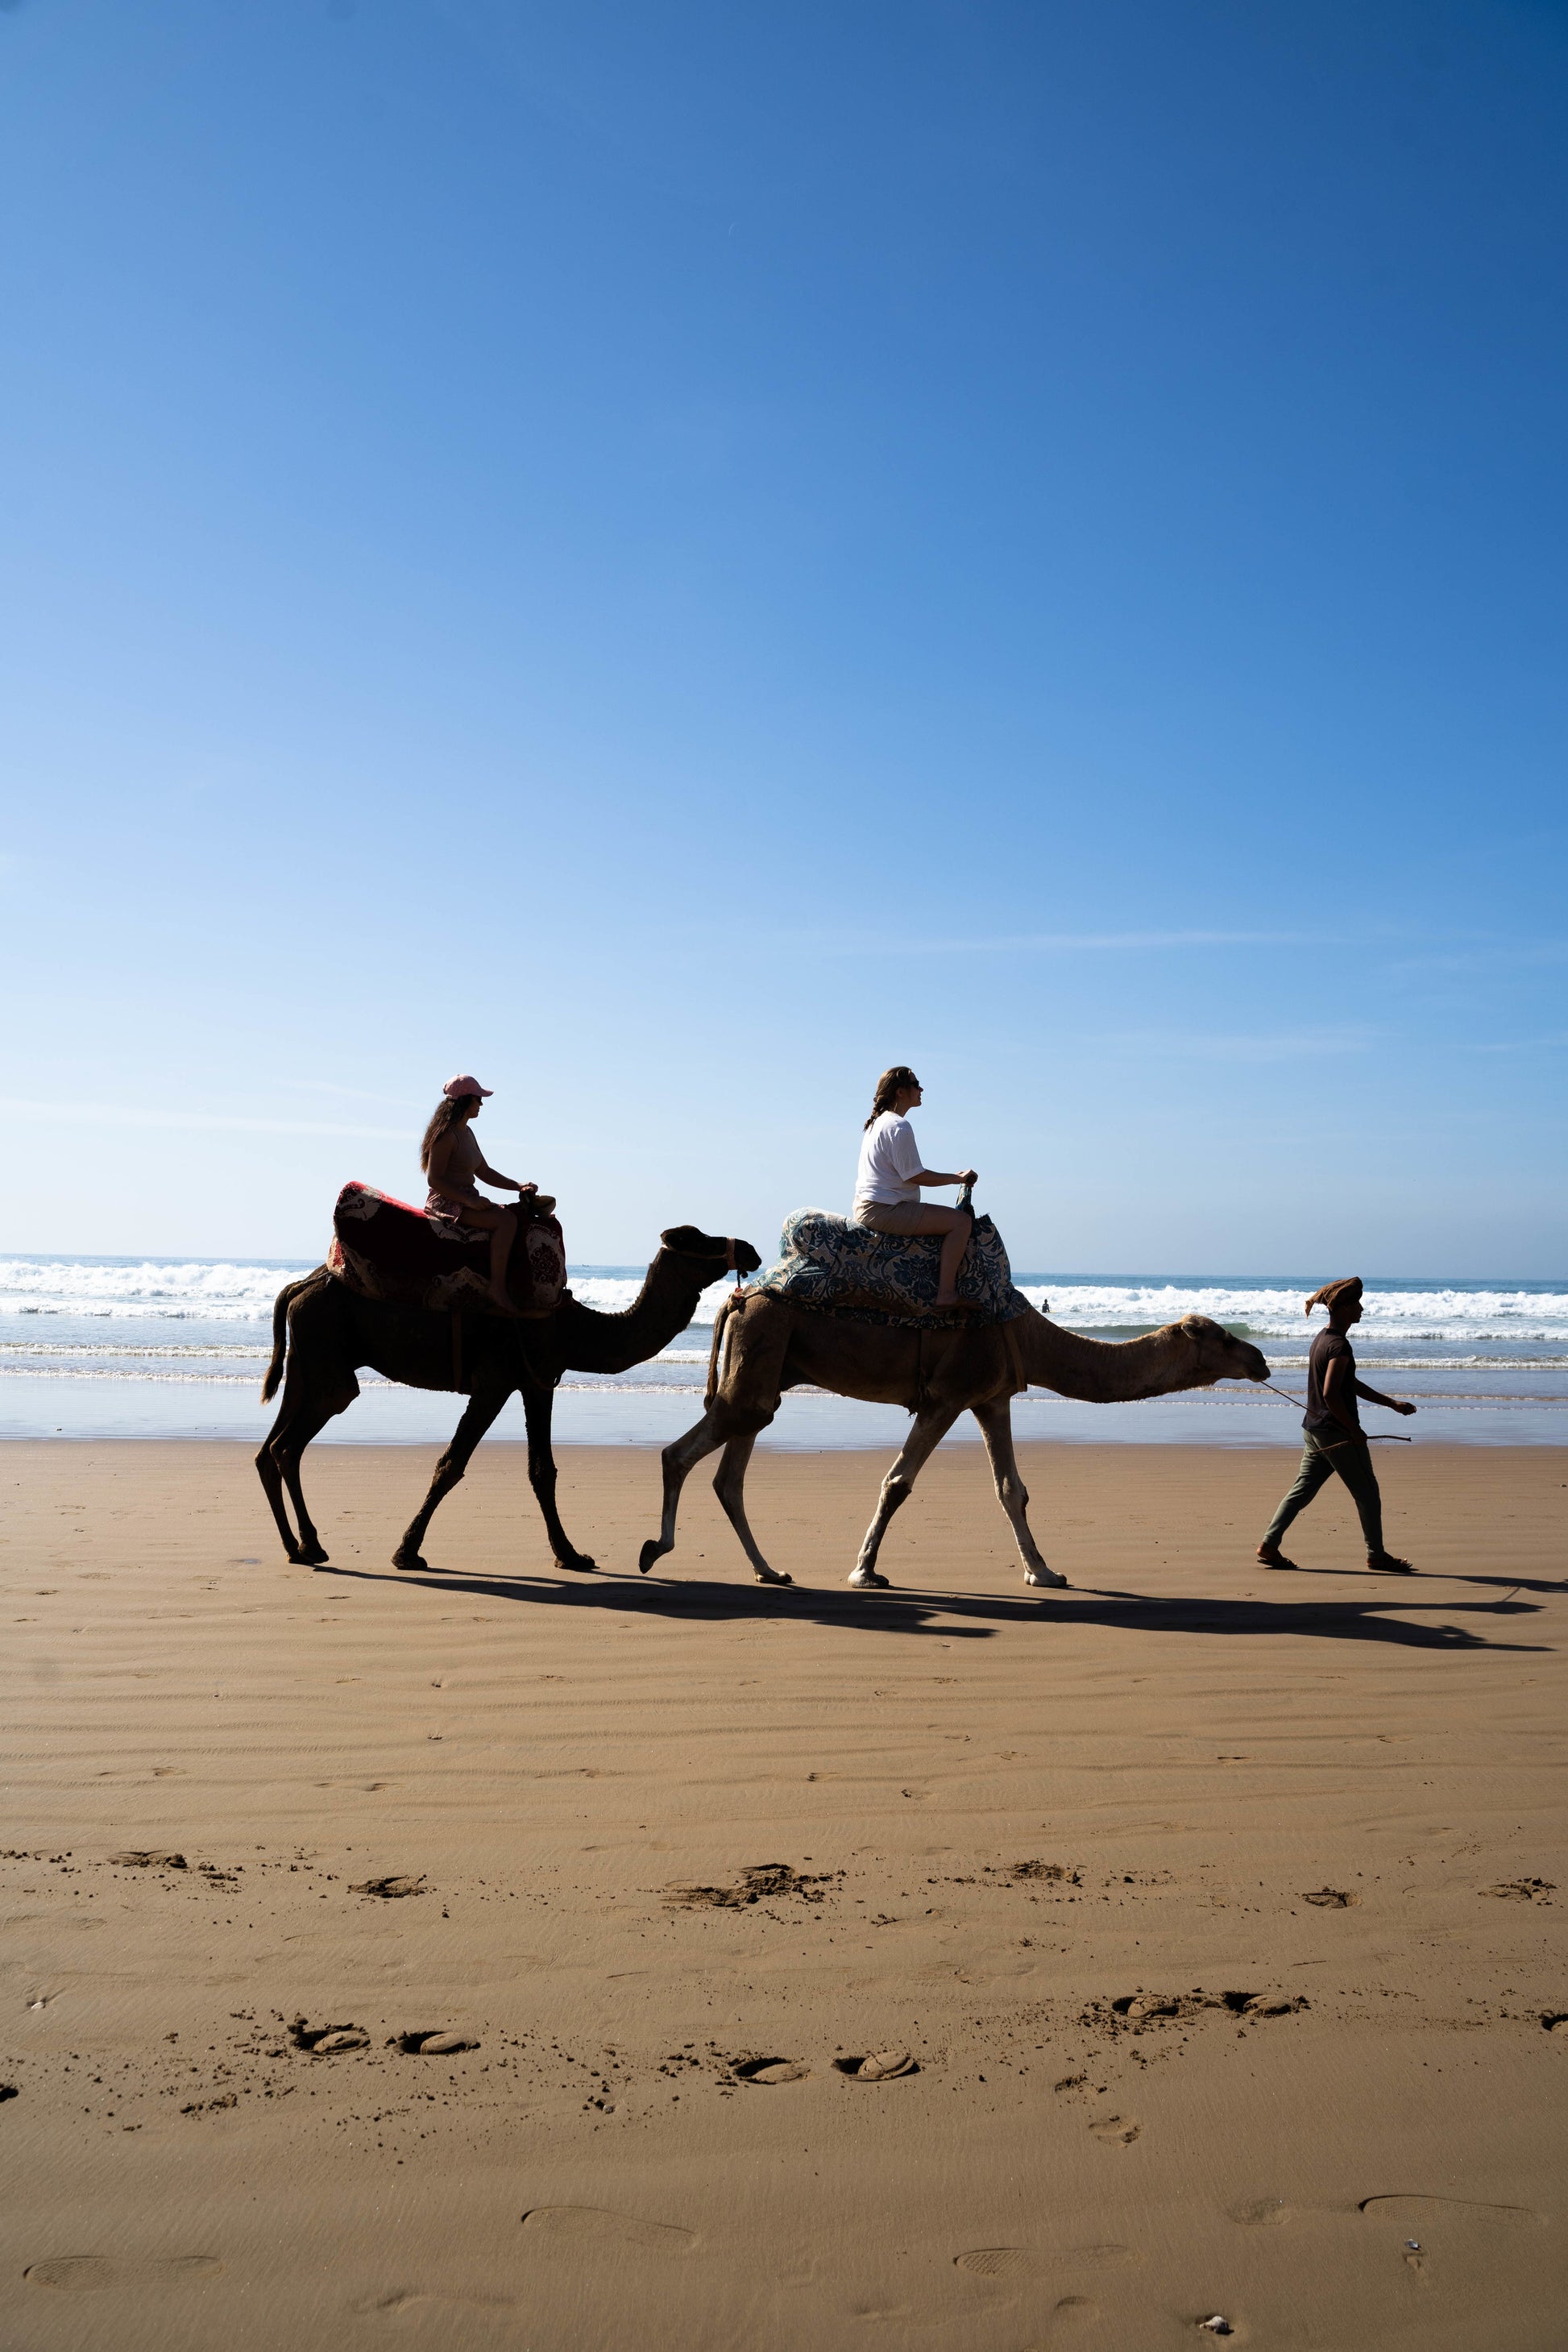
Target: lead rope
x=1378, y=1437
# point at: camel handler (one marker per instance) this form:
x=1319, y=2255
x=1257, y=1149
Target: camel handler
x=888, y=1182
x=450, y=1156
x=1333, y=1434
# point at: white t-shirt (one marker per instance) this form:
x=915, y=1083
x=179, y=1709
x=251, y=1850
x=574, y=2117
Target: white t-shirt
x=890, y=1156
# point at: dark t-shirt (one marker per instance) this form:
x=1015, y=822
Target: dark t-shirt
x=1328, y=1348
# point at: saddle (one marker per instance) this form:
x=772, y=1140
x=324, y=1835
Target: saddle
x=383, y=1248
x=834, y=1266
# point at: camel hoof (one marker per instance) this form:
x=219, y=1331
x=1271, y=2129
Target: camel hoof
x=773, y=1576
x=410, y=1559
x=1043, y=1576
x=865, y=1580
x=578, y=1565
x=312, y=1555
x=649, y=1554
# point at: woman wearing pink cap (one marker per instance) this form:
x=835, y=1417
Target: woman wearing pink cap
x=451, y=1161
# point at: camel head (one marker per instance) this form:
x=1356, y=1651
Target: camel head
x=1218, y=1356
x=688, y=1241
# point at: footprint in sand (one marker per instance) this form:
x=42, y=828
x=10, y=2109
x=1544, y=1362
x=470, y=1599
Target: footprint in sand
x=432, y=2042
x=407, y=2305
x=1029, y=2261
x=91, y=2274
x=390, y=1888
x=770, y=2071
x=1332, y=1898
x=324, y=2038
x=596, y=2230
x=1262, y=2213
x=1116, y=2131
x=877, y=2065
x=1521, y=1890
x=1405, y=2211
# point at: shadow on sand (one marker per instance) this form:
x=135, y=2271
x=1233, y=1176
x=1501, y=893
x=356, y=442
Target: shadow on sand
x=976, y=1616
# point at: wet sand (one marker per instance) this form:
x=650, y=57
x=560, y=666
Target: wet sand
x=1059, y=1848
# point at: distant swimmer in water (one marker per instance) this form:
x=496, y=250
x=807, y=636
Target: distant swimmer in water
x=451, y=1161
x=887, y=1186
x=1333, y=1434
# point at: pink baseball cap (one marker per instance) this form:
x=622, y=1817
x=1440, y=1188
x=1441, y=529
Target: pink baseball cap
x=466, y=1085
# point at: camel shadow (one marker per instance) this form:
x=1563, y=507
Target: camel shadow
x=715, y=1602
x=970, y=1616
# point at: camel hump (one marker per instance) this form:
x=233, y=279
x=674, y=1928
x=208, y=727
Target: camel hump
x=832, y=1264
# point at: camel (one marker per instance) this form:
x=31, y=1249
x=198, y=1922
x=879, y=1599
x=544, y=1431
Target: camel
x=330, y=1331
x=761, y=1346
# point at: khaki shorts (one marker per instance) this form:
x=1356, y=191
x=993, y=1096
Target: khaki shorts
x=889, y=1216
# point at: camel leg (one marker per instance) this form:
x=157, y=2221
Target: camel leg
x=729, y=1486
x=482, y=1411
x=300, y=1417
x=997, y=1428
x=921, y=1442
x=538, y=1403
x=679, y=1458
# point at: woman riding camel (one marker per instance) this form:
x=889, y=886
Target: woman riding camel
x=887, y=1186
x=451, y=1161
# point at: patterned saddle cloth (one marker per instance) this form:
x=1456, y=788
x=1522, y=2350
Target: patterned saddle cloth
x=826, y=1262
x=384, y=1249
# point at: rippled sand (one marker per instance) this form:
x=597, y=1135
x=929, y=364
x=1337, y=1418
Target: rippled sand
x=959, y=1966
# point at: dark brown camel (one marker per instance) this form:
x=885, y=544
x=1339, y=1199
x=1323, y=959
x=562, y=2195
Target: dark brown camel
x=330, y=1332
x=763, y=1346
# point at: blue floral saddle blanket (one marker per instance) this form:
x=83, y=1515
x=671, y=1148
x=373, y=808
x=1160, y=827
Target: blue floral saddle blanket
x=826, y=1262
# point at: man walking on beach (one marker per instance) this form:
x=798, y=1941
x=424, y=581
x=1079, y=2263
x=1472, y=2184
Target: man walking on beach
x=1334, y=1439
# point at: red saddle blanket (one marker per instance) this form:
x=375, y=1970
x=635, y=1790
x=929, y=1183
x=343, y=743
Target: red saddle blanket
x=383, y=1249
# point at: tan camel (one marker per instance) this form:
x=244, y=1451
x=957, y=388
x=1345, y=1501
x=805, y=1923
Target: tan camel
x=763, y=1346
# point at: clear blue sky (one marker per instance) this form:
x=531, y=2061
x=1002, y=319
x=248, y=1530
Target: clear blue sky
x=673, y=555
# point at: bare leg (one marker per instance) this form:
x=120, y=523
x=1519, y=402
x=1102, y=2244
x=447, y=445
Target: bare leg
x=955, y=1225
x=500, y=1250
x=921, y=1442
x=729, y=1488
x=502, y=1226
x=997, y=1428
x=539, y=1404
x=953, y=1250
x=680, y=1459
x=482, y=1410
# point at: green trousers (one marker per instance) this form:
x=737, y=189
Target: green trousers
x=1320, y=1460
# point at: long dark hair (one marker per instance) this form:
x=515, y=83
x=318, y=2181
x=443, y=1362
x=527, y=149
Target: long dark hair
x=890, y=1083
x=446, y=1114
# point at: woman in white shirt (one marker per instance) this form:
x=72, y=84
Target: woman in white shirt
x=888, y=1182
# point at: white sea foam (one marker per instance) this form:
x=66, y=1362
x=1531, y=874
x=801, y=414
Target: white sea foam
x=232, y=1291
x=1391, y=1313
x=214, y=1291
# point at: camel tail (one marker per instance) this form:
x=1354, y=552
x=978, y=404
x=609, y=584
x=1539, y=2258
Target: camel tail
x=719, y=1320
x=285, y=1299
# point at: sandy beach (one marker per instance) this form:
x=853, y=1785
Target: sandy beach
x=1214, y=1910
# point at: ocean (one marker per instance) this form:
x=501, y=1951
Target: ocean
x=131, y=1348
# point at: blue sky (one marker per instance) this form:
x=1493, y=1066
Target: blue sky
x=673, y=556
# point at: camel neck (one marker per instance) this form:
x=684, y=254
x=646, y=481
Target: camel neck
x=1102, y=1371
x=594, y=1342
